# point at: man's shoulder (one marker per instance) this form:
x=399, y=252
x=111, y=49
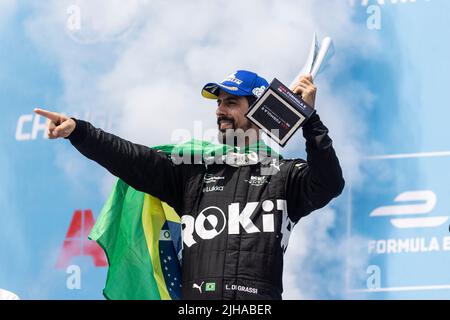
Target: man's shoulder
x=274, y=166
x=292, y=165
x=294, y=162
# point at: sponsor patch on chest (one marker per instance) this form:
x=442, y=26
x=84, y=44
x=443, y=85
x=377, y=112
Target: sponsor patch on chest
x=212, y=183
x=257, y=181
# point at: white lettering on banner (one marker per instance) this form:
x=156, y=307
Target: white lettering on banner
x=30, y=125
x=374, y=277
x=408, y=245
x=212, y=221
x=39, y=126
x=446, y=244
x=20, y=134
x=36, y=126
x=74, y=19
x=73, y=281
x=374, y=19
x=374, y=9
x=411, y=203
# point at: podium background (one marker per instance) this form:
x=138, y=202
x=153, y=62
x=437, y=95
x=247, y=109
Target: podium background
x=136, y=69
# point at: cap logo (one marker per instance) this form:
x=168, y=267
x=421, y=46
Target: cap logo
x=230, y=88
x=257, y=92
x=232, y=78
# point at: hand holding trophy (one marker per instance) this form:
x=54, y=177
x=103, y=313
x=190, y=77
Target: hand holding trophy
x=280, y=111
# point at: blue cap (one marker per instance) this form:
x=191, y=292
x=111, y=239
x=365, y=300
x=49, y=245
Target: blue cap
x=240, y=83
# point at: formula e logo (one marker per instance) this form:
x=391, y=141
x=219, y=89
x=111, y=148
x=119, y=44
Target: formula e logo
x=423, y=203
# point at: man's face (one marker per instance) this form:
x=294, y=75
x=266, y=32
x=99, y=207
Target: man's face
x=231, y=112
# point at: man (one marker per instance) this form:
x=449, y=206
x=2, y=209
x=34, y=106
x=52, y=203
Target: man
x=237, y=216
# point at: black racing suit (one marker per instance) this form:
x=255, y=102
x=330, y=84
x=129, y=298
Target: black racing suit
x=236, y=220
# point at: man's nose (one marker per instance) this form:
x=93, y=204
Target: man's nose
x=220, y=111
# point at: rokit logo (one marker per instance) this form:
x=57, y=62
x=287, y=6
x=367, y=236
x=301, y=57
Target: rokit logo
x=420, y=203
x=212, y=221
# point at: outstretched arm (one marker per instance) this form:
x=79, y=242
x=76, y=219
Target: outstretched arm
x=141, y=167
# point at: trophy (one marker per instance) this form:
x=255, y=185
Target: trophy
x=278, y=111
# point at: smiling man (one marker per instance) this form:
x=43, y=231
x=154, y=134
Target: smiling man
x=234, y=96
x=236, y=216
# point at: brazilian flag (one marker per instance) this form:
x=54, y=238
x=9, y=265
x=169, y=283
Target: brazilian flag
x=141, y=237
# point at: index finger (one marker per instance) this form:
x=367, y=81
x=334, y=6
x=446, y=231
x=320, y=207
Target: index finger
x=53, y=116
x=307, y=78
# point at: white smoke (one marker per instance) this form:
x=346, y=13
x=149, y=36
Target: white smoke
x=145, y=62
x=318, y=261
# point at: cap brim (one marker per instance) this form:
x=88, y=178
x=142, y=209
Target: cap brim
x=212, y=90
